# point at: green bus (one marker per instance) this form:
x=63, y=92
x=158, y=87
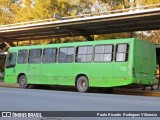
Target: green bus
x=105, y=63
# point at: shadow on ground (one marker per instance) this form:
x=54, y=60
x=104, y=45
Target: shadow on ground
x=70, y=89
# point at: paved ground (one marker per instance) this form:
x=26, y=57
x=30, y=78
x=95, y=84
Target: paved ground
x=126, y=91
x=28, y=99
x=54, y=100
x=139, y=91
x=15, y=99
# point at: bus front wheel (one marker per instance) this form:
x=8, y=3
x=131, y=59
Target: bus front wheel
x=82, y=84
x=23, y=82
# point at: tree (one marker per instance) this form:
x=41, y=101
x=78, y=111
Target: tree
x=28, y=10
x=150, y=2
x=155, y=36
x=5, y=11
x=14, y=11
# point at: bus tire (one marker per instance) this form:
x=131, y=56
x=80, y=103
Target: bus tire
x=23, y=82
x=82, y=84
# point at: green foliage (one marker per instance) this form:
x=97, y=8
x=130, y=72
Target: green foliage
x=150, y=2
x=28, y=10
x=5, y=12
x=152, y=36
x=14, y=11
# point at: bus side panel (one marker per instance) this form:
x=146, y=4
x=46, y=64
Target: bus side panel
x=102, y=74
x=10, y=75
x=64, y=73
x=57, y=74
x=34, y=73
x=22, y=69
x=97, y=73
x=48, y=74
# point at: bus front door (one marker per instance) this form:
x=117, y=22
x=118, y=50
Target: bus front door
x=10, y=72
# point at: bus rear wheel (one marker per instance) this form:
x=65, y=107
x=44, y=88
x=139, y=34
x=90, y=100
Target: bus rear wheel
x=82, y=84
x=23, y=82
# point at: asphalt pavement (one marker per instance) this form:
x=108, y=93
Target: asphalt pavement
x=16, y=99
x=117, y=90
x=45, y=98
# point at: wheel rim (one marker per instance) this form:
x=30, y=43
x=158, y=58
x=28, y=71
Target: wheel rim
x=82, y=84
x=23, y=81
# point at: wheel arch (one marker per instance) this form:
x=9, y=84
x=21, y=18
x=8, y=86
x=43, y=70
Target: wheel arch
x=79, y=75
x=19, y=75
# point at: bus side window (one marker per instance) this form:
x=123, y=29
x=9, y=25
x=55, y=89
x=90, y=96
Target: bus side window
x=103, y=53
x=35, y=56
x=22, y=56
x=84, y=54
x=11, y=60
x=122, y=52
x=49, y=55
x=66, y=55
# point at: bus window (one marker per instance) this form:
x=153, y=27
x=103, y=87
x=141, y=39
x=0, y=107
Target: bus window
x=11, y=60
x=66, y=55
x=103, y=53
x=84, y=54
x=22, y=56
x=122, y=52
x=35, y=56
x=49, y=55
